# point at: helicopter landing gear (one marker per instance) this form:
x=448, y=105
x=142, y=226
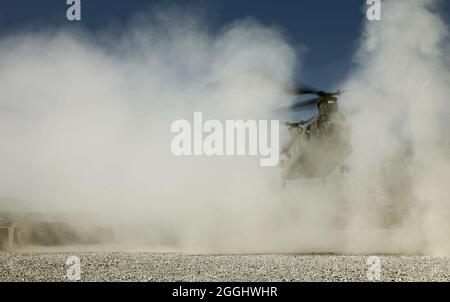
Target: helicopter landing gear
x=283, y=183
x=344, y=168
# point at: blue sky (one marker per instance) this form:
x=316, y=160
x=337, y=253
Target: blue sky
x=328, y=28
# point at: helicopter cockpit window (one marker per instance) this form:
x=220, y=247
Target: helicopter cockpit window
x=329, y=105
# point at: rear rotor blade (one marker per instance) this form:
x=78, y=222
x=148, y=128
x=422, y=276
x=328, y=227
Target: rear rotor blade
x=300, y=105
x=301, y=90
x=304, y=103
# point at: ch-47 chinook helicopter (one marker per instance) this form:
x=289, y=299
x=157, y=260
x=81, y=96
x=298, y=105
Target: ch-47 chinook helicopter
x=320, y=144
x=316, y=146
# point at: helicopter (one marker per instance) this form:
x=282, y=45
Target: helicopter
x=319, y=145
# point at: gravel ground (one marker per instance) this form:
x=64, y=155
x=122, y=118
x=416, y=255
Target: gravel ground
x=137, y=266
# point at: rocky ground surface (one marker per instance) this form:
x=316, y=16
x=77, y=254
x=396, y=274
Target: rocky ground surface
x=145, y=266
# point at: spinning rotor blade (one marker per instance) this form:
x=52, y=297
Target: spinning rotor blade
x=305, y=103
x=300, y=105
x=301, y=90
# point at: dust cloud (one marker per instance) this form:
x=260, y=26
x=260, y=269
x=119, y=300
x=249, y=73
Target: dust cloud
x=85, y=128
x=400, y=119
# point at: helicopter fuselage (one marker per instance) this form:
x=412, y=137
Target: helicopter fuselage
x=316, y=149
